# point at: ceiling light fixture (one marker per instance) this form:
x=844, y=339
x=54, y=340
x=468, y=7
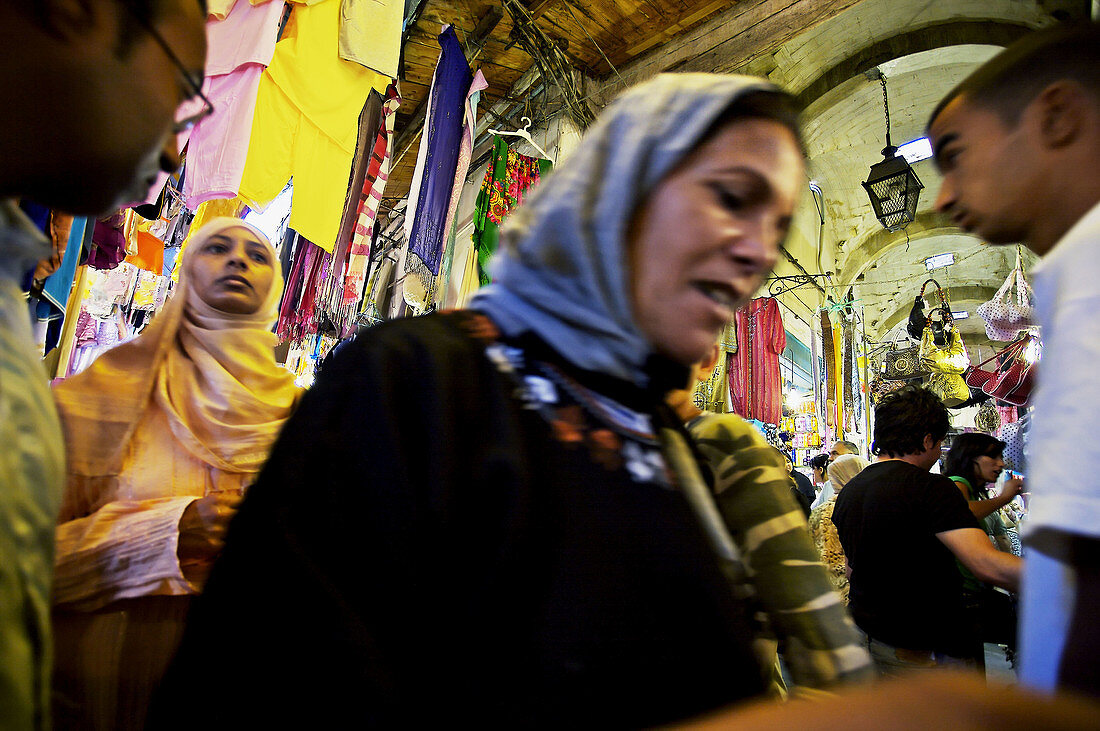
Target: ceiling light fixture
x=939, y=260
x=916, y=150
x=892, y=185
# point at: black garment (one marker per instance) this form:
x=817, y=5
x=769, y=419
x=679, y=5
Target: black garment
x=804, y=485
x=906, y=590
x=422, y=550
x=803, y=503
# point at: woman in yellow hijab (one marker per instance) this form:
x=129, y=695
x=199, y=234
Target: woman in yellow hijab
x=163, y=434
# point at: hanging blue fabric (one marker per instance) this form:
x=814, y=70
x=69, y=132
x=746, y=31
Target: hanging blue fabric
x=442, y=135
x=55, y=292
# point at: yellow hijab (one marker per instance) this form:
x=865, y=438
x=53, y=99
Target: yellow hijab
x=213, y=374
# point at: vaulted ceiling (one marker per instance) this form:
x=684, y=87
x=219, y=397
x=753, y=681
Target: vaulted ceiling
x=820, y=50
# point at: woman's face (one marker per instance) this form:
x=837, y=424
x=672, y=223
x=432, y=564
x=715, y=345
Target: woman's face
x=705, y=238
x=232, y=271
x=989, y=468
x=819, y=475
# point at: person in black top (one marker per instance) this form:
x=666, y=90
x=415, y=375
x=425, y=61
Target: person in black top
x=902, y=529
x=803, y=489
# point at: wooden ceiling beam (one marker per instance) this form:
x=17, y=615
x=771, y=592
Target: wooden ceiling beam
x=538, y=7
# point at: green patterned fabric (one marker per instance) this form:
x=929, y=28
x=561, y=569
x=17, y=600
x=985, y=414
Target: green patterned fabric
x=753, y=494
x=32, y=471
x=509, y=176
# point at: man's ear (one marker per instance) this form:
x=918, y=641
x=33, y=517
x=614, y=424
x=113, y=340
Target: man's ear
x=69, y=19
x=1061, y=107
x=929, y=442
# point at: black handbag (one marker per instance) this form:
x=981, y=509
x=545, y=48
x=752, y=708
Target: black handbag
x=902, y=364
x=918, y=321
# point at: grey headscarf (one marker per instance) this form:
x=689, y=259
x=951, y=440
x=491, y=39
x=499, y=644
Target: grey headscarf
x=843, y=469
x=561, y=270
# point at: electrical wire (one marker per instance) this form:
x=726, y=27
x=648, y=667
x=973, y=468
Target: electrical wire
x=569, y=7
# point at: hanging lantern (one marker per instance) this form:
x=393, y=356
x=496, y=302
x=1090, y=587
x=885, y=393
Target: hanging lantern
x=892, y=185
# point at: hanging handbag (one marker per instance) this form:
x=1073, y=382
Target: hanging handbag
x=901, y=364
x=917, y=320
x=950, y=387
x=950, y=358
x=987, y=420
x=1013, y=380
x=1004, y=315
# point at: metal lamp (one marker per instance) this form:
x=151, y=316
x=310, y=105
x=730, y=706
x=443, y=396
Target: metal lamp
x=892, y=185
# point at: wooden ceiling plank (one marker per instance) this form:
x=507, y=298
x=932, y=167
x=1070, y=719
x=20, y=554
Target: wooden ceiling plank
x=672, y=30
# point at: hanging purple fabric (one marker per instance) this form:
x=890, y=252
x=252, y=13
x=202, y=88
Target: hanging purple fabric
x=443, y=133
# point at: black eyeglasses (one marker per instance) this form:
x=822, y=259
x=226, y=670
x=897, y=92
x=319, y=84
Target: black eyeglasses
x=194, y=87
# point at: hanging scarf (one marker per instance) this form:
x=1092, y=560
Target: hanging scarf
x=440, y=142
x=830, y=369
x=561, y=270
x=849, y=376
x=508, y=178
x=213, y=374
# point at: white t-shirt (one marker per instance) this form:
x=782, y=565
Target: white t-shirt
x=1064, y=446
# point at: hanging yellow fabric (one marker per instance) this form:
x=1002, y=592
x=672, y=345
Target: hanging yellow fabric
x=307, y=123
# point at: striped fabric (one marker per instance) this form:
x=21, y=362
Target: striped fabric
x=378, y=173
x=753, y=493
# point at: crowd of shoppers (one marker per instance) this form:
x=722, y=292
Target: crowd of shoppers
x=497, y=507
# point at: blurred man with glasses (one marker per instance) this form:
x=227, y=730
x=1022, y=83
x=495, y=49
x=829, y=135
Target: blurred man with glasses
x=92, y=90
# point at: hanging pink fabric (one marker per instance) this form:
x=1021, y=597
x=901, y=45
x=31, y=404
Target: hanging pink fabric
x=756, y=386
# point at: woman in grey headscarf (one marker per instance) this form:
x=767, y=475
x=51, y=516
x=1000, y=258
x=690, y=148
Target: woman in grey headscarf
x=490, y=514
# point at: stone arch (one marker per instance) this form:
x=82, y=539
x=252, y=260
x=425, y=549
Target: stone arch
x=877, y=242
x=956, y=293
x=930, y=37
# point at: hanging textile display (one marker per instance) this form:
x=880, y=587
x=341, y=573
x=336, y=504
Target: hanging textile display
x=378, y=174
x=829, y=358
x=370, y=33
x=239, y=48
x=108, y=242
x=370, y=124
x=507, y=180
x=849, y=375
x=437, y=160
x=307, y=122
x=336, y=312
x=756, y=385
x=465, y=156
x=297, y=312
x=56, y=289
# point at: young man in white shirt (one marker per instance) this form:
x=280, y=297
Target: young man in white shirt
x=1018, y=143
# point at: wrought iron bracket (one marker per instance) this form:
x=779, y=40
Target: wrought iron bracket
x=782, y=285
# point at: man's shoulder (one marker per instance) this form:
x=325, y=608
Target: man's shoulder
x=730, y=428
x=445, y=334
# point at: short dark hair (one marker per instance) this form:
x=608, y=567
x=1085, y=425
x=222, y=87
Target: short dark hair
x=819, y=461
x=903, y=418
x=965, y=449
x=1009, y=81
x=142, y=13
x=776, y=105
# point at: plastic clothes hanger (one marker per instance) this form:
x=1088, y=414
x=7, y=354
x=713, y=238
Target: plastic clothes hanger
x=522, y=132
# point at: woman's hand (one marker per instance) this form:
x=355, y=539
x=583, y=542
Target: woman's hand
x=202, y=533
x=1012, y=488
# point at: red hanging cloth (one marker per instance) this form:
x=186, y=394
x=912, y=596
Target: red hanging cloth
x=756, y=386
